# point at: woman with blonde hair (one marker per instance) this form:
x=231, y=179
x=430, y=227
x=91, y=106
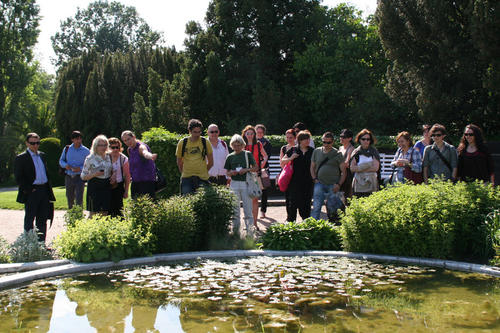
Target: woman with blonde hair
x=97, y=170
x=120, y=180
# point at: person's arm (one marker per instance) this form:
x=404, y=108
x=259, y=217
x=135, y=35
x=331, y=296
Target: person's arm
x=180, y=164
x=264, y=155
x=282, y=163
x=86, y=174
x=62, y=160
x=312, y=169
x=375, y=166
x=126, y=178
x=354, y=165
x=416, y=163
x=425, y=174
x=146, y=154
x=336, y=187
x=210, y=161
x=453, y=163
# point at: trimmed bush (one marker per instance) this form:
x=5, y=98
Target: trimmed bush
x=311, y=234
x=27, y=248
x=52, y=149
x=213, y=207
x=164, y=143
x=439, y=220
x=101, y=238
x=4, y=250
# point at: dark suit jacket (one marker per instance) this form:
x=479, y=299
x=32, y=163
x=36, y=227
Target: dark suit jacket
x=24, y=172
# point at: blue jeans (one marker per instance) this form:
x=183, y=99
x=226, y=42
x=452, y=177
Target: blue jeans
x=322, y=192
x=190, y=184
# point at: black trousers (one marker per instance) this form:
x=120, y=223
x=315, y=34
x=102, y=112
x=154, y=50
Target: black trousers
x=141, y=188
x=37, y=208
x=116, y=204
x=298, y=197
x=263, y=201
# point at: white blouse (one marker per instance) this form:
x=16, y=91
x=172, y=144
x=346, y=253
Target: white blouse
x=94, y=163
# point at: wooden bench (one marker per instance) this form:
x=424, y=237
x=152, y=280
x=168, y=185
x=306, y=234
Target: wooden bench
x=385, y=165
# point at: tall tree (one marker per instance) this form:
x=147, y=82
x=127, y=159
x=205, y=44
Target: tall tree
x=447, y=52
x=18, y=33
x=103, y=26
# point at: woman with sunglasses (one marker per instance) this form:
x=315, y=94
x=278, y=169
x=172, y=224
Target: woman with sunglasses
x=365, y=164
x=120, y=180
x=97, y=170
x=253, y=145
x=440, y=158
x=474, y=160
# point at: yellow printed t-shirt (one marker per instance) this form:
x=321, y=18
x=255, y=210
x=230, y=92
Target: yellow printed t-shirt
x=194, y=163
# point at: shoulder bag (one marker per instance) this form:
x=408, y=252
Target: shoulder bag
x=253, y=187
x=408, y=173
x=285, y=176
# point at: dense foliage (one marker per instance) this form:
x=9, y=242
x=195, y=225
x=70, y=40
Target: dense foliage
x=102, y=26
x=493, y=223
x=101, y=238
x=27, y=248
x=444, y=59
x=439, y=220
x=310, y=234
x=4, y=251
x=52, y=149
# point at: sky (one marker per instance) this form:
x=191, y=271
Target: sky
x=167, y=16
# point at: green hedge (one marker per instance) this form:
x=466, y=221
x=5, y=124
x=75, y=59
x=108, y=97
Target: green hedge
x=439, y=220
x=101, y=238
x=310, y=234
x=52, y=149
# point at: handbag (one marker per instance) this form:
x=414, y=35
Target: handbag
x=253, y=188
x=408, y=173
x=285, y=177
x=160, y=181
x=264, y=177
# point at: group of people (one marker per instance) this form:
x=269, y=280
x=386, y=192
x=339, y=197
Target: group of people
x=324, y=175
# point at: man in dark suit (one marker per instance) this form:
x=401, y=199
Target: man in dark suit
x=35, y=191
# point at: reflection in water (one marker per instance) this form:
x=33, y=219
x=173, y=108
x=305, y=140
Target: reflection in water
x=257, y=294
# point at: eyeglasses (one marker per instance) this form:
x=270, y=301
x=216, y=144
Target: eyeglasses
x=436, y=135
x=249, y=133
x=196, y=132
x=365, y=139
x=468, y=134
x=212, y=132
x=327, y=142
x=114, y=147
x=33, y=143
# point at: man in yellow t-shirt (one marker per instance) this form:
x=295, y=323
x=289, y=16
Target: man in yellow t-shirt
x=194, y=158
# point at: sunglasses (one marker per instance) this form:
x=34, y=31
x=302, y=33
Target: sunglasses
x=468, y=134
x=249, y=133
x=436, y=135
x=212, y=132
x=33, y=143
x=114, y=147
x=365, y=139
x=327, y=142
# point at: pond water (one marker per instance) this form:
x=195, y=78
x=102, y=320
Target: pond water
x=258, y=294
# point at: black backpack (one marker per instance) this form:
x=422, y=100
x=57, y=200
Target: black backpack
x=203, y=152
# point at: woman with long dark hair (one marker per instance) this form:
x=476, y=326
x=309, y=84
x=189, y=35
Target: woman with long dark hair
x=253, y=145
x=474, y=160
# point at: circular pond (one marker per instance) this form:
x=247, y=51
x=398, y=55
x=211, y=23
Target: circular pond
x=262, y=294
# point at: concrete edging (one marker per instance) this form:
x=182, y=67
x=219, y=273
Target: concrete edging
x=73, y=268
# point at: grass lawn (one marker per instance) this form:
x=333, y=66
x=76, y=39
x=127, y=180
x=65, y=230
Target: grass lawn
x=8, y=199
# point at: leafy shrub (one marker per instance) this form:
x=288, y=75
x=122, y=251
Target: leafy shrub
x=27, y=248
x=141, y=212
x=52, y=149
x=72, y=215
x=164, y=143
x=213, y=207
x=311, y=234
x=173, y=230
x=440, y=220
x=493, y=225
x=4, y=250
x=101, y=238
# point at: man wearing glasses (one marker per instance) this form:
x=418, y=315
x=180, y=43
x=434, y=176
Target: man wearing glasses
x=72, y=159
x=194, y=158
x=217, y=173
x=328, y=174
x=35, y=191
x=440, y=158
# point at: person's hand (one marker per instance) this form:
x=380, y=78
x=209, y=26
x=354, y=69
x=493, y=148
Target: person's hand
x=68, y=167
x=99, y=173
x=76, y=169
x=336, y=188
x=294, y=156
x=154, y=157
x=125, y=195
x=243, y=171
